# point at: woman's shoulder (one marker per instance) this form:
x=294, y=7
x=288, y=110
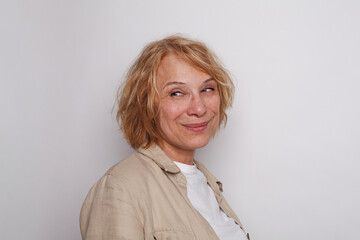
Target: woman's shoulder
x=135, y=167
x=130, y=176
x=136, y=174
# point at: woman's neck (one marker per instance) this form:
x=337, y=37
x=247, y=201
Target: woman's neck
x=177, y=154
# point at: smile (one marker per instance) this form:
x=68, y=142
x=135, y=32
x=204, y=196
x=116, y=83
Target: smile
x=196, y=127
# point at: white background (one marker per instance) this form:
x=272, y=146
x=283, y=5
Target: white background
x=288, y=158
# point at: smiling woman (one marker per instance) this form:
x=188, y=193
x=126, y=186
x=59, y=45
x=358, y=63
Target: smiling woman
x=173, y=102
x=189, y=108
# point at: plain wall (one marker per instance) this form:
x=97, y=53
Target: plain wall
x=288, y=158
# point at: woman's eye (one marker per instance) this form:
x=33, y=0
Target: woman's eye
x=209, y=89
x=175, y=93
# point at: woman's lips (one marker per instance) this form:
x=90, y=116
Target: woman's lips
x=196, y=127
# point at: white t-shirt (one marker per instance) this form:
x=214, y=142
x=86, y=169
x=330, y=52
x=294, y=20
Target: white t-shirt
x=203, y=199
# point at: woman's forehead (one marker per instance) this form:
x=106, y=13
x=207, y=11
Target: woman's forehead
x=175, y=69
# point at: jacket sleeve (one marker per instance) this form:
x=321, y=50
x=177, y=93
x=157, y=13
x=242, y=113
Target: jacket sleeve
x=109, y=213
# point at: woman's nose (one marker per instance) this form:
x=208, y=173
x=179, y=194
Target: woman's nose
x=196, y=106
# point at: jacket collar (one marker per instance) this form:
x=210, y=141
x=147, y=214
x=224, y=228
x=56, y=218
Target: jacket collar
x=166, y=164
x=212, y=180
x=160, y=158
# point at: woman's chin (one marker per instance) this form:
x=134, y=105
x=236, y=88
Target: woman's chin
x=196, y=143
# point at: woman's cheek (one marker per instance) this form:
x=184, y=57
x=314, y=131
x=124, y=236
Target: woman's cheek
x=175, y=108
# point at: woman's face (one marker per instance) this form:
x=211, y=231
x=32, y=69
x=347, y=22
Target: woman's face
x=189, y=104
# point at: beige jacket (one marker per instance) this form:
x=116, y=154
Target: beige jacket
x=144, y=197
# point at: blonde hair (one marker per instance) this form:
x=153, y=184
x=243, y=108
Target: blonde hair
x=136, y=108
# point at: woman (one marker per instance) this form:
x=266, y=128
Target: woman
x=173, y=101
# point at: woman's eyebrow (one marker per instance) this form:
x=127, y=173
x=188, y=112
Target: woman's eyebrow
x=182, y=83
x=173, y=83
x=208, y=80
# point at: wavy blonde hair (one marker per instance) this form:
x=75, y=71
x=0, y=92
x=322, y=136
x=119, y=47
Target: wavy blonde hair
x=136, y=107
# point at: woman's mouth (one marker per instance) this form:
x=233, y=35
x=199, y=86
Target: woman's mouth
x=196, y=127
